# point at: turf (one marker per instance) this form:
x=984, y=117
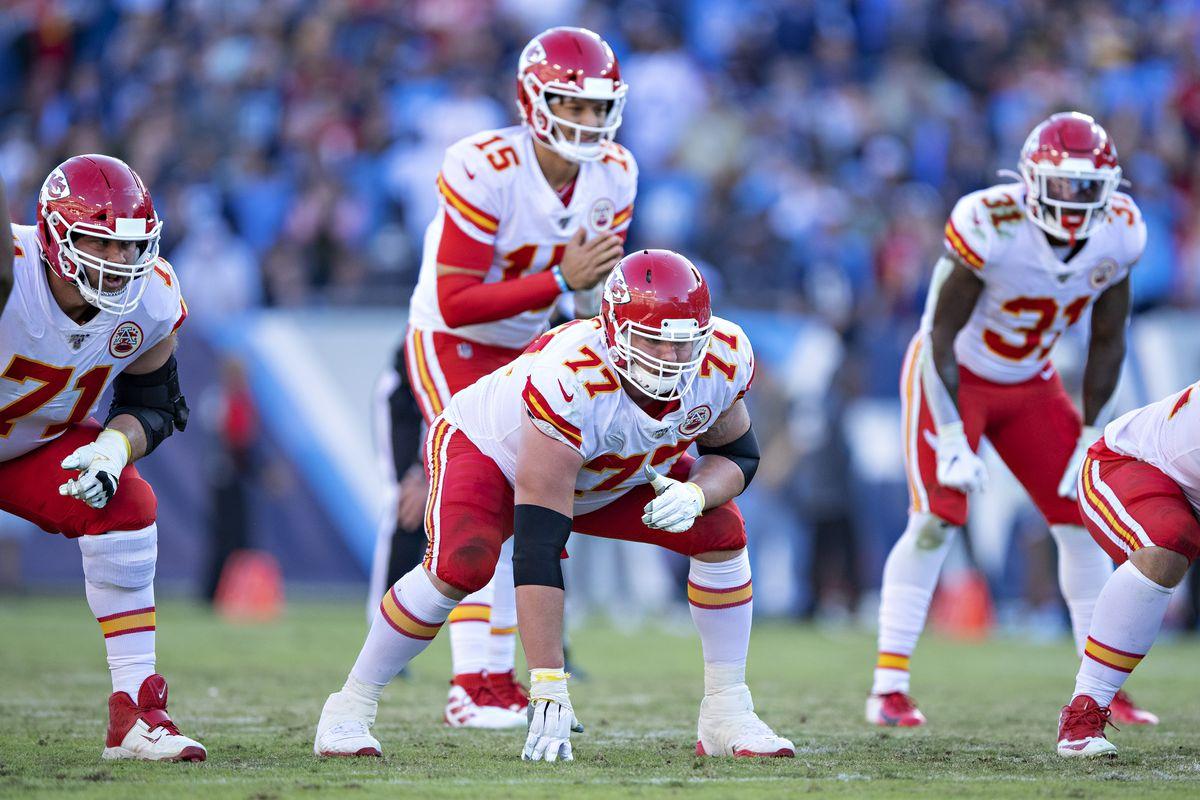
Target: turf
x=252, y=694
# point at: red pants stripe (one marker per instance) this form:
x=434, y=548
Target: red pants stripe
x=440, y=365
x=1128, y=504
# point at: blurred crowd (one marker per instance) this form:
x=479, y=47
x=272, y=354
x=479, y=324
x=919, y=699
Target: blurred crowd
x=811, y=148
x=805, y=151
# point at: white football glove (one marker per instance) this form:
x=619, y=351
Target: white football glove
x=100, y=464
x=676, y=506
x=1066, y=486
x=551, y=718
x=957, y=465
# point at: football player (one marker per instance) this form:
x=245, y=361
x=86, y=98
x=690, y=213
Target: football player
x=526, y=214
x=1139, y=491
x=1023, y=262
x=93, y=306
x=588, y=431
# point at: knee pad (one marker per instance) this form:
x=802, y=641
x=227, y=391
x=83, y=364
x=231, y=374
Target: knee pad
x=928, y=532
x=125, y=559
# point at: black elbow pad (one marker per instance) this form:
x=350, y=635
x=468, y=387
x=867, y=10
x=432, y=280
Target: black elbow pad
x=539, y=535
x=742, y=451
x=155, y=399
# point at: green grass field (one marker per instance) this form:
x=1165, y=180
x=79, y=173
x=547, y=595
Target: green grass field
x=252, y=695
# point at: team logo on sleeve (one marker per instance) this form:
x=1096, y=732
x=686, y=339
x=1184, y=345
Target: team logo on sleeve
x=601, y=216
x=125, y=340
x=695, y=420
x=1102, y=273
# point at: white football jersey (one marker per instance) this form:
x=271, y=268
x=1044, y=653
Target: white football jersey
x=568, y=387
x=1030, y=297
x=1166, y=435
x=493, y=189
x=55, y=369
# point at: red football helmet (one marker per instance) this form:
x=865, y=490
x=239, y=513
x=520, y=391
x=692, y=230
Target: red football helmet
x=576, y=62
x=97, y=195
x=657, y=319
x=1069, y=165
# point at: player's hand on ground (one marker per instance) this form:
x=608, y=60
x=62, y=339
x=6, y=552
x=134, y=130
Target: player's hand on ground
x=100, y=464
x=1070, y=478
x=414, y=490
x=957, y=465
x=551, y=717
x=676, y=505
x=587, y=262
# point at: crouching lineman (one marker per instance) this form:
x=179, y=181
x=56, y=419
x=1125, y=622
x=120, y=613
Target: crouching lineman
x=1139, y=491
x=573, y=435
x=1023, y=262
x=92, y=305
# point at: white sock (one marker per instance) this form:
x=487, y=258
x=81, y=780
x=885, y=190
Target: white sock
x=126, y=618
x=1083, y=569
x=1129, y=614
x=470, y=631
x=909, y=577
x=502, y=643
x=721, y=599
x=408, y=618
x=118, y=571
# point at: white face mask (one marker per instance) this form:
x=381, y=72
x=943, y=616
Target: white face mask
x=1069, y=200
x=75, y=261
x=660, y=378
x=565, y=137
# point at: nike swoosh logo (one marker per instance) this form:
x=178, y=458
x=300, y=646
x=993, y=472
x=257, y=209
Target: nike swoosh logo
x=152, y=740
x=567, y=397
x=470, y=175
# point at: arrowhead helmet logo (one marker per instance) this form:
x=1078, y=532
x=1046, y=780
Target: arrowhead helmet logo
x=616, y=291
x=56, y=186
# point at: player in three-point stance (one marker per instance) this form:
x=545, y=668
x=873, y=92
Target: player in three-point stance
x=1139, y=491
x=1023, y=262
x=92, y=305
x=588, y=431
x=527, y=214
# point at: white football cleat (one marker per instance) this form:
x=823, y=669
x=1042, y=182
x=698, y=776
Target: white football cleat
x=144, y=731
x=345, y=728
x=471, y=703
x=729, y=727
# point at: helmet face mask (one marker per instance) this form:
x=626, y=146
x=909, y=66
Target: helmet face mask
x=1069, y=167
x=101, y=197
x=79, y=266
x=657, y=319
x=637, y=358
x=570, y=62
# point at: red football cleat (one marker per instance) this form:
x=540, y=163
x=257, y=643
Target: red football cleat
x=1126, y=712
x=508, y=691
x=144, y=731
x=1081, y=729
x=472, y=704
x=894, y=710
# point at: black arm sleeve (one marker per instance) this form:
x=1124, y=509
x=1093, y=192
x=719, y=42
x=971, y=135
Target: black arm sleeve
x=155, y=399
x=742, y=451
x=405, y=420
x=539, y=535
